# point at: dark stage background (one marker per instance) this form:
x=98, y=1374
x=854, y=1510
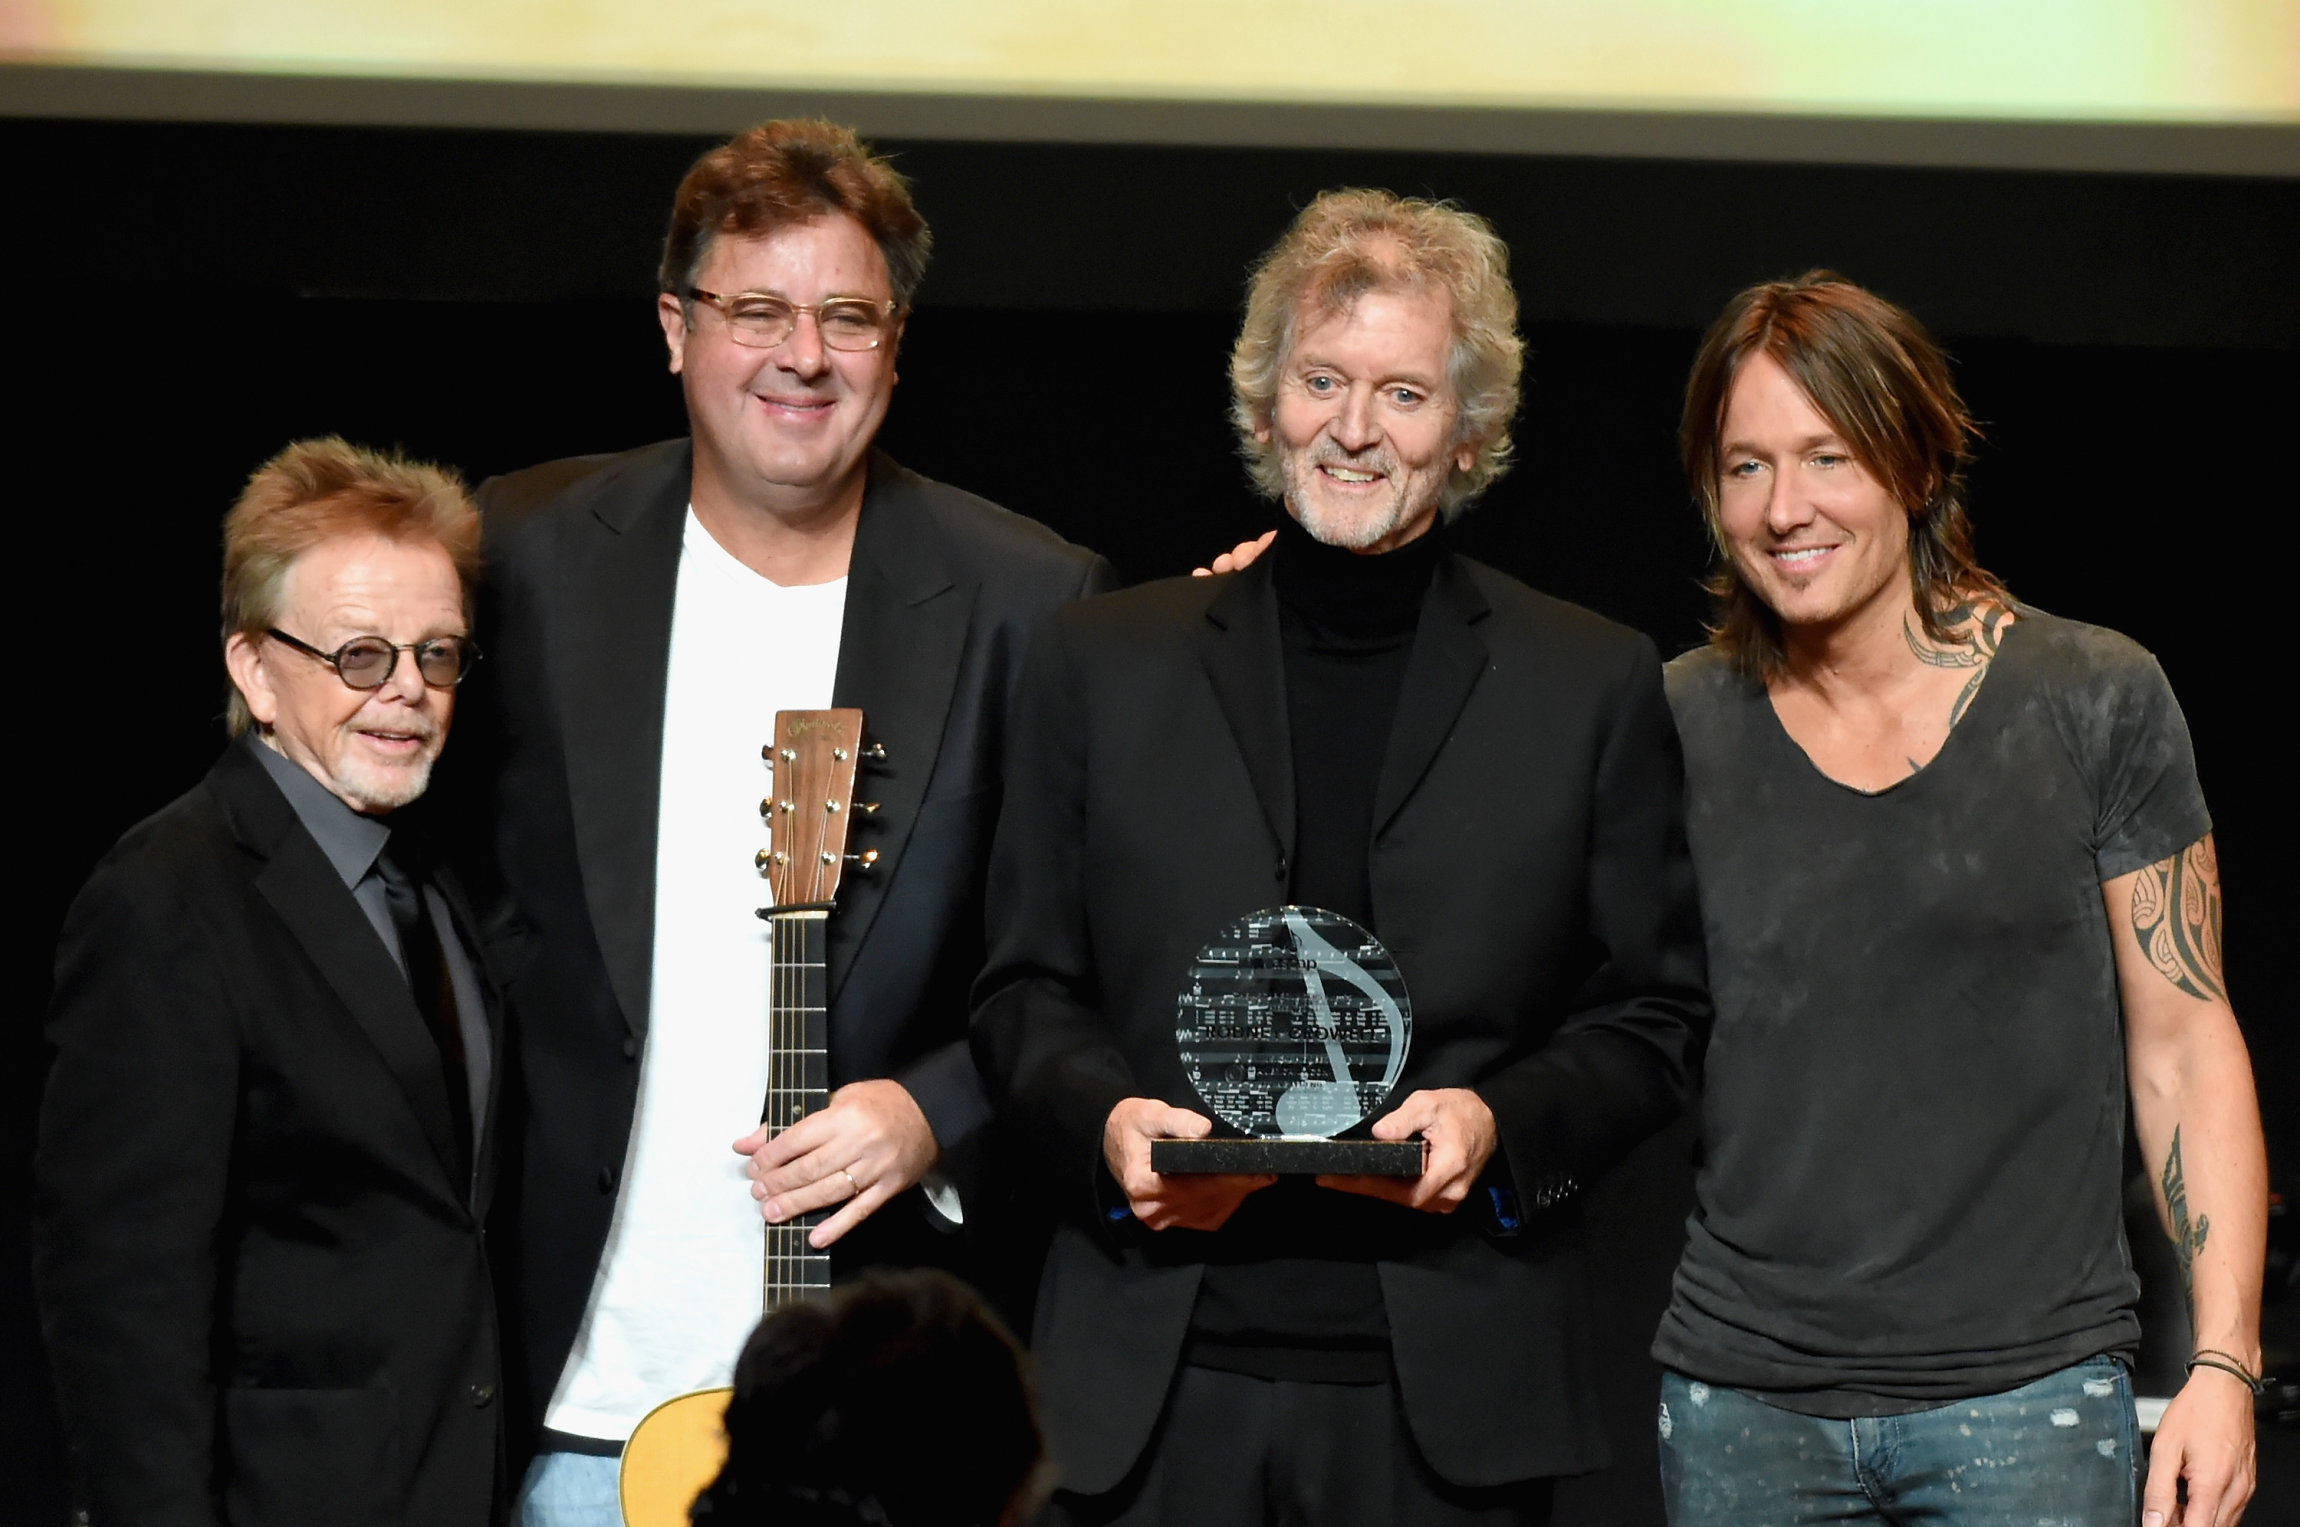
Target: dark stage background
x=186, y=299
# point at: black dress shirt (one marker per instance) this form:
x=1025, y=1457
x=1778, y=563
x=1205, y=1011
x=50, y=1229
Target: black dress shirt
x=351, y=843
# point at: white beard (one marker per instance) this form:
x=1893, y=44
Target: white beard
x=373, y=786
x=374, y=789
x=1349, y=531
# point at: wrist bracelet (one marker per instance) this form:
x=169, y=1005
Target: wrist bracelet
x=2230, y=1364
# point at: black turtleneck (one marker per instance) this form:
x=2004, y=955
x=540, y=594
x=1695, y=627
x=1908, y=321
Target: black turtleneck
x=1346, y=621
x=1290, y=1290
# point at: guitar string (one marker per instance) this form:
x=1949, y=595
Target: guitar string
x=793, y=1244
x=777, y=1022
x=799, y=1025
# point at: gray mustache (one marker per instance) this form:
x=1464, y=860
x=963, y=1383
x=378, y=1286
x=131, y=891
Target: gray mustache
x=1376, y=460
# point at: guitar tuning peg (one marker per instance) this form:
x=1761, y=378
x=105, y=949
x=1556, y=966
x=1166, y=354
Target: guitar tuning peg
x=863, y=860
x=876, y=752
x=867, y=808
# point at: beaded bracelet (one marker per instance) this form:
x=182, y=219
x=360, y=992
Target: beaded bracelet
x=2230, y=1364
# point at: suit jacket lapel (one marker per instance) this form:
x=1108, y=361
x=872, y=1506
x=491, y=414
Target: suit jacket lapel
x=621, y=582
x=310, y=898
x=900, y=642
x=1246, y=664
x=1448, y=655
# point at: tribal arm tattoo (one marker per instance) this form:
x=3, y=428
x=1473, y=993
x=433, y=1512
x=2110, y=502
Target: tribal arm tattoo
x=2187, y=1237
x=2191, y=1085
x=2176, y=917
x=1984, y=624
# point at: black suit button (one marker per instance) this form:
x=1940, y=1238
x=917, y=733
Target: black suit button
x=607, y=1175
x=630, y=1048
x=482, y=1395
x=1281, y=866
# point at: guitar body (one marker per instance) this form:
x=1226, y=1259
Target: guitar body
x=672, y=1457
x=678, y=1448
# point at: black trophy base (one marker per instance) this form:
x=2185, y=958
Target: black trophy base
x=1290, y=1156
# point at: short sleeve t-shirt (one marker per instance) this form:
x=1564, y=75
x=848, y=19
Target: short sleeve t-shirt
x=1913, y=1123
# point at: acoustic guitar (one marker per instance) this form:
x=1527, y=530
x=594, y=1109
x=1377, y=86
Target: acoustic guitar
x=678, y=1448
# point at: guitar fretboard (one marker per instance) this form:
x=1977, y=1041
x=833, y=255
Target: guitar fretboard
x=798, y=1082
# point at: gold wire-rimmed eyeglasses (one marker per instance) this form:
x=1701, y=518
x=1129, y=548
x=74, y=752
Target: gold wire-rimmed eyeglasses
x=761, y=320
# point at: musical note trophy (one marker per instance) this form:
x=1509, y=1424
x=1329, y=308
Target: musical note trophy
x=1293, y=1025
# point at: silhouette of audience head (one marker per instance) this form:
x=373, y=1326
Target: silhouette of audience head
x=895, y=1401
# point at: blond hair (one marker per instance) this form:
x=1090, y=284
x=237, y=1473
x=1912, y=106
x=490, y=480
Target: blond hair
x=1348, y=243
x=321, y=490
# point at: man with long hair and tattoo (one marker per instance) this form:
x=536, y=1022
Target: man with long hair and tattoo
x=1961, y=900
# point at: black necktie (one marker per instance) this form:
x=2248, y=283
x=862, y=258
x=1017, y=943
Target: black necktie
x=401, y=871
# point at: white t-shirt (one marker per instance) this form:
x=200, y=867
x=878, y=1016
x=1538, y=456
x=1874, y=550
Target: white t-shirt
x=678, y=1288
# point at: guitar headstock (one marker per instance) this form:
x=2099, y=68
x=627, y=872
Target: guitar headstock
x=814, y=757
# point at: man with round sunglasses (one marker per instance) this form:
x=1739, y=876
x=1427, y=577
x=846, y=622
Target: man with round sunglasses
x=287, y=1315
x=649, y=614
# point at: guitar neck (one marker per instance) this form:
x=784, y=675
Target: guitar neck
x=798, y=1081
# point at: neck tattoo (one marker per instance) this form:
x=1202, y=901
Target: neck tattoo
x=1976, y=629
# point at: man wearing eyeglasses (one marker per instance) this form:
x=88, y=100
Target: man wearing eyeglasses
x=650, y=613
x=285, y=1314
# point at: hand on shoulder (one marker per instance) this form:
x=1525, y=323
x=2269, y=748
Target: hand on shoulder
x=1238, y=557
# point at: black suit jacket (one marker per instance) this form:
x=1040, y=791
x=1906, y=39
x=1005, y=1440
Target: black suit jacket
x=257, y=1243
x=1528, y=870
x=944, y=590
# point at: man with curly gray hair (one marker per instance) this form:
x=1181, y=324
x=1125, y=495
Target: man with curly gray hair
x=1349, y=244
x=1481, y=777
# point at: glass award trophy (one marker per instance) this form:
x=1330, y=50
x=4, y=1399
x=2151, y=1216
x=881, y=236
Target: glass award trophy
x=1293, y=1026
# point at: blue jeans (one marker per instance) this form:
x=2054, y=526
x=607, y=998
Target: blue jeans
x=571, y=1490
x=2061, y=1452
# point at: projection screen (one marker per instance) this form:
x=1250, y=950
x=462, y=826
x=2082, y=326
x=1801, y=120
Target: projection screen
x=1701, y=75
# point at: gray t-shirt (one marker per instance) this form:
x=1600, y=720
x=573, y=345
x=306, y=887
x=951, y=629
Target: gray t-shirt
x=1913, y=1128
